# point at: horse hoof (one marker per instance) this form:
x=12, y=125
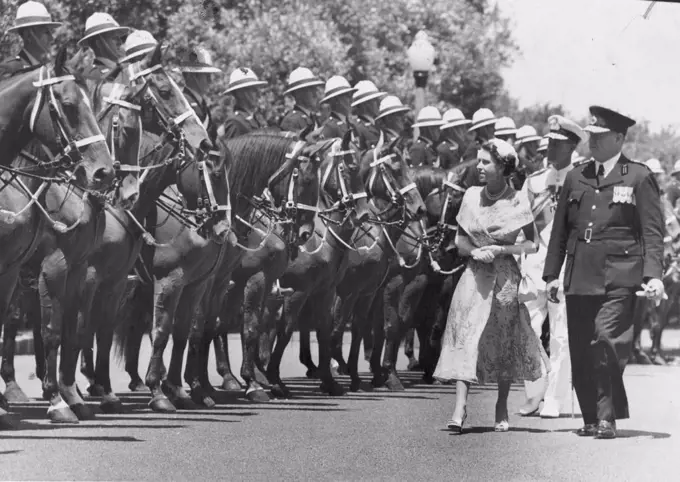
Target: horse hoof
x=111, y=406
x=82, y=411
x=280, y=391
x=656, y=360
x=137, y=386
x=343, y=370
x=332, y=389
x=161, y=404
x=204, y=401
x=393, y=383
x=414, y=365
x=5, y=423
x=313, y=374
x=428, y=379
x=61, y=413
x=96, y=390
x=257, y=395
x=355, y=386
x=208, y=389
x=186, y=404
x=231, y=384
x=14, y=393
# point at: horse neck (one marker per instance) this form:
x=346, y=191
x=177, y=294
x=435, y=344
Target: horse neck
x=14, y=135
x=156, y=182
x=19, y=162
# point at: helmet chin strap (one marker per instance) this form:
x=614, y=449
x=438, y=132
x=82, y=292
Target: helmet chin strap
x=38, y=44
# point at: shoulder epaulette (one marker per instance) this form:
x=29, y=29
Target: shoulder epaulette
x=582, y=163
x=639, y=163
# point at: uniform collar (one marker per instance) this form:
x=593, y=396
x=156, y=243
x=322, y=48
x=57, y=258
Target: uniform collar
x=336, y=116
x=239, y=110
x=426, y=141
x=303, y=110
x=608, y=164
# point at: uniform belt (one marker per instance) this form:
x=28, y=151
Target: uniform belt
x=610, y=235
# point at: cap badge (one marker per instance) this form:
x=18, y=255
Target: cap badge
x=554, y=125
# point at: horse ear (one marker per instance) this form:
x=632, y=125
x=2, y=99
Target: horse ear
x=157, y=55
x=60, y=62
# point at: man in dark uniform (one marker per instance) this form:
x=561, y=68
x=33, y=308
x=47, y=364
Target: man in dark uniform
x=610, y=226
x=452, y=139
x=338, y=96
x=105, y=37
x=530, y=160
x=197, y=70
x=34, y=25
x=505, y=130
x=366, y=105
x=423, y=152
x=303, y=86
x=243, y=85
x=391, y=121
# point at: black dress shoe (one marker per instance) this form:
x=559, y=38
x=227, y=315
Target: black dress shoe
x=606, y=430
x=588, y=430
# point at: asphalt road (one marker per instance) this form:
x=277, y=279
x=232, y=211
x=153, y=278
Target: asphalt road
x=363, y=436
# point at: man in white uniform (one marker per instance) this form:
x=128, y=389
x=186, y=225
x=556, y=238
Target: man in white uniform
x=543, y=189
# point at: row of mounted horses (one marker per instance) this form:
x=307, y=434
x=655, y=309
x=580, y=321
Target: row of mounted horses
x=102, y=179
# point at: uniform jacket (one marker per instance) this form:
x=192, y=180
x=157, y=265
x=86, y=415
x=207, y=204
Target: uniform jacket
x=99, y=70
x=423, y=152
x=334, y=126
x=200, y=106
x=12, y=65
x=239, y=123
x=297, y=120
x=367, y=132
x=449, y=153
x=611, y=232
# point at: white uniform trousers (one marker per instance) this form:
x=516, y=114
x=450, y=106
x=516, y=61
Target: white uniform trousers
x=558, y=380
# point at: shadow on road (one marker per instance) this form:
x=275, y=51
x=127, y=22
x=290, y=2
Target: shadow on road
x=631, y=433
x=478, y=430
x=10, y=452
x=84, y=439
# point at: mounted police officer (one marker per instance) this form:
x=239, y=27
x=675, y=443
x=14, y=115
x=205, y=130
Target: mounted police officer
x=423, y=152
x=197, y=69
x=452, y=139
x=338, y=96
x=530, y=160
x=34, y=25
x=105, y=37
x=505, y=130
x=610, y=225
x=391, y=120
x=366, y=105
x=483, y=127
x=303, y=86
x=243, y=86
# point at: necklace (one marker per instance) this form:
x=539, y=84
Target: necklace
x=495, y=197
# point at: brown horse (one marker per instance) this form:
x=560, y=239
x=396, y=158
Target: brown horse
x=164, y=163
x=315, y=281
x=277, y=163
x=405, y=285
x=61, y=119
x=343, y=205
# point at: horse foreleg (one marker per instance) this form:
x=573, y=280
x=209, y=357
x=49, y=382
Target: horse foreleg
x=86, y=328
x=357, y=308
x=304, y=330
x=230, y=315
x=376, y=318
x=341, y=317
x=11, y=298
x=255, y=294
x=201, y=390
x=188, y=319
x=321, y=307
x=291, y=310
x=167, y=292
x=393, y=291
x=105, y=311
x=140, y=312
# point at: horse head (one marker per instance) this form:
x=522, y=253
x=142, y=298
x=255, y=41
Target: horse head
x=57, y=111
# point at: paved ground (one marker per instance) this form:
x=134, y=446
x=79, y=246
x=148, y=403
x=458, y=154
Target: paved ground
x=364, y=436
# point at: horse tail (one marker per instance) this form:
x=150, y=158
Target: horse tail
x=136, y=306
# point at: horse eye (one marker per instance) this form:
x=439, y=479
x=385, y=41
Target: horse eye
x=165, y=93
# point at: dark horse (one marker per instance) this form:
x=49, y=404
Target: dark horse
x=277, y=163
x=49, y=104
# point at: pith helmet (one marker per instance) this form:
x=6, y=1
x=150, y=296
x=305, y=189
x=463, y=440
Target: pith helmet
x=32, y=14
x=99, y=23
x=301, y=78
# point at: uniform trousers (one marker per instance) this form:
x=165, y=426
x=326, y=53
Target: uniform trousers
x=558, y=388
x=600, y=344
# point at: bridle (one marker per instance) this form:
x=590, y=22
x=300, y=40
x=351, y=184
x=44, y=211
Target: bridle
x=70, y=156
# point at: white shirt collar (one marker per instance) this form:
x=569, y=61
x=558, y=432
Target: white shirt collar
x=608, y=164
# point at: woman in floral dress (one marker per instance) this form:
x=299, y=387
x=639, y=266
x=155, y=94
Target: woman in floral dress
x=488, y=335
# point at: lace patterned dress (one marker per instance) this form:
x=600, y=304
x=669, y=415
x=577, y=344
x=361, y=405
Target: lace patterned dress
x=488, y=334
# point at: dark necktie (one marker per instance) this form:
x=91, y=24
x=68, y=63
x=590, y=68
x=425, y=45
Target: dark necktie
x=600, y=174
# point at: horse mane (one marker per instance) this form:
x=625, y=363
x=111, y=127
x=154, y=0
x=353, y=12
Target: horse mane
x=428, y=178
x=255, y=157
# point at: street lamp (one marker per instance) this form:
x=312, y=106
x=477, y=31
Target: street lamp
x=421, y=57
